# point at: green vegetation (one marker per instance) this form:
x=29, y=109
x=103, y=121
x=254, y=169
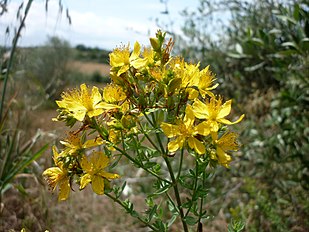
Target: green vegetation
x=262, y=55
x=84, y=53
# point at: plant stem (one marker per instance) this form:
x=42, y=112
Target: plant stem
x=137, y=215
x=180, y=164
x=195, y=186
x=177, y=195
x=14, y=44
x=139, y=165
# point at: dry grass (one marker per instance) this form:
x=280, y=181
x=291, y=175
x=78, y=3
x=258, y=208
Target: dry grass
x=90, y=67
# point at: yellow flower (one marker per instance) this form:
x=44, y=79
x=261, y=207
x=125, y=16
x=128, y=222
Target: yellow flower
x=113, y=93
x=227, y=142
x=185, y=130
x=120, y=58
x=80, y=103
x=58, y=176
x=74, y=144
x=214, y=112
x=93, y=168
x=206, y=82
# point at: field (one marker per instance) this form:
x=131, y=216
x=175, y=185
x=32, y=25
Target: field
x=90, y=67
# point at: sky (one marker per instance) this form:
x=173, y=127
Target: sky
x=95, y=23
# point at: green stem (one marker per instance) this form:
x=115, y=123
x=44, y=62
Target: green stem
x=137, y=215
x=194, y=188
x=140, y=165
x=15, y=40
x=180, y=164
x=200, y=225
x=177, y=195
x=149, y=139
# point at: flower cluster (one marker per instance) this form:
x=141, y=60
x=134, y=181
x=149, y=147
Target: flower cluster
x=150, y=91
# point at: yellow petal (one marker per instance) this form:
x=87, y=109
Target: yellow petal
x=214, y=127
x=223, y=158
x=123, y=69
x=203, y=128
x=85, y=164
x=225, y=109
x=56, y=155
x=93, y=143
x=64, y=189
x=99, y=160
x=97, y=183
x=200, y=109
x=193, y=93
x=227, y=122
x=95, y=96
x=108, y=175
x=189, y=117
x=169, y=130
x=136, y=51
x=79, y=115
x=84, y=180
x=96, y=112
x=176, y=144
x=197, y=145
x=139, y=63
x=107, y=106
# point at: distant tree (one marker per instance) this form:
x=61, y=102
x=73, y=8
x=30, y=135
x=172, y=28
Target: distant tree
x=48, y=66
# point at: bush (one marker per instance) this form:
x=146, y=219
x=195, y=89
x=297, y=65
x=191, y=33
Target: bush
x=262, y=53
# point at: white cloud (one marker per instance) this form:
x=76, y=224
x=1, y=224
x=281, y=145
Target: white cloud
x=100, y=23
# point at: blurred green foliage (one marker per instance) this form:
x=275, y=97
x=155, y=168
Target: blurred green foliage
x=84, y=53
x=261, y=54
x=47, y=67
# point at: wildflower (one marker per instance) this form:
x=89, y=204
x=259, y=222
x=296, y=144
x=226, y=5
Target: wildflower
x=113, y=94
x=83, y=102
x=93, y=168
x=120, y=58
x=185, y=130
x=227, y=142
x=206, y=82
x=214, y=112
x=74, y=144
x=58, y=176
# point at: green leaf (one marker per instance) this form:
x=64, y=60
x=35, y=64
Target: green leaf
x=286, y=19
x=152, y=212
x=255, y=67
x=290, y=44
x=236, y=55
x=191, y=221
x=161, y=190
x=149, y=164
x=174, y=84
x=257, y=41
x=238, y=48
x=172, y=220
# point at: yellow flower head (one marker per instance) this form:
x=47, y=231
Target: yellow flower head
x=120, y=58
x=94, y=172
x=206, y=82
x=214, y=111
x=185, y=130
x=74, y=144
x=113, y=93
x=58, y=176
x=227, y=142
x=80, y=103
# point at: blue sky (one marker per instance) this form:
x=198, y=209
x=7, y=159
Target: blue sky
x=102, y=23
